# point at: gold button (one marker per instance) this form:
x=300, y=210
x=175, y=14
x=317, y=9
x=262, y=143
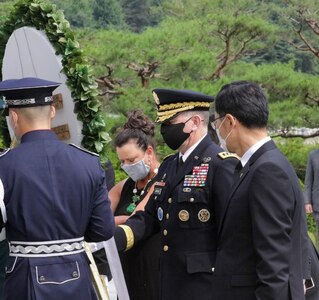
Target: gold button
x=169, y=200
x=191, y=200
x=75, y=274
x=165, y=248
x=41, y=278
x=167, y=216
x=165, y=232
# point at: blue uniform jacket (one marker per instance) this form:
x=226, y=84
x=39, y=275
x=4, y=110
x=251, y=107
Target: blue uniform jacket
x=53, y=191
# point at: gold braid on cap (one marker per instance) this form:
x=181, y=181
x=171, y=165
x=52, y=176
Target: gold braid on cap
x=167, y=111
x=182, y=105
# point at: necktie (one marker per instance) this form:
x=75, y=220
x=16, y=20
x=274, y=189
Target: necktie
x=239, y=166
x=238, y=169
x=180, y=163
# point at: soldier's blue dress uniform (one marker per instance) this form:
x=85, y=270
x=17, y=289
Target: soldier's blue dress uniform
x=55, y=197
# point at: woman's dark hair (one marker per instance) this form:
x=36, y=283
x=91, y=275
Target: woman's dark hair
x=139, y=128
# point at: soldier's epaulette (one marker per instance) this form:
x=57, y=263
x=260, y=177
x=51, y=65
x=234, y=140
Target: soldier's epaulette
x=4, y=152
x=224, y=155
x=168, y=156
x=84, y=150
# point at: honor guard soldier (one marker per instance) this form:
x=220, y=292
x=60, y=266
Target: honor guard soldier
x=188, y=197
x=55, y=197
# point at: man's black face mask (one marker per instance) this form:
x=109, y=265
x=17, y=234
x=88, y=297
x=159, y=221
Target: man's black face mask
x=173, y=134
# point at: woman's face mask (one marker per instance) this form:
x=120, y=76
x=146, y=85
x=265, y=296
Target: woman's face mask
x=136, y=171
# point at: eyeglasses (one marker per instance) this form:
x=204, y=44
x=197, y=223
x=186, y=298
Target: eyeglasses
x=213, y=123
x=169, y=122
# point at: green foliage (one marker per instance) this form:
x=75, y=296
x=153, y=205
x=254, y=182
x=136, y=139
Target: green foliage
x=188, y=50
x=44, y=16
x=296, y=152
x=108, y=13
x=312, y=230
x=79, y=13
x=137, y=13
x=190, y=44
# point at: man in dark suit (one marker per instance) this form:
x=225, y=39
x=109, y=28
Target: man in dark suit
x=312, y=283
x=54, y=197
x=192, y=185
x=261, y=234
x=312, y=187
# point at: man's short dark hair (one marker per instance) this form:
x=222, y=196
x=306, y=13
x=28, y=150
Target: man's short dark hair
x=245, y=101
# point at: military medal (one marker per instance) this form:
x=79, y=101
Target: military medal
x=198, y=177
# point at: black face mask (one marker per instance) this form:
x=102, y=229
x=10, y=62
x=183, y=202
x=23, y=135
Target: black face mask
x=173, y=134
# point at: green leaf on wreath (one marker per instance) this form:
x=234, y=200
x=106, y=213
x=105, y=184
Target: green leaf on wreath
x=44, y=16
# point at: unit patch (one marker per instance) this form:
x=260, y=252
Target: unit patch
x=160, y=213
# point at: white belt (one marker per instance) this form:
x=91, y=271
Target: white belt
x=47, y=248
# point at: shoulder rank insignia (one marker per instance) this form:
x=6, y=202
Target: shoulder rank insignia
x=224, y=155
x=84, y=150
x=4, y=152
x=168, y=156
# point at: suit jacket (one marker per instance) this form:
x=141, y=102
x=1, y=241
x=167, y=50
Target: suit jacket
x=184, y=208
x=260, y=252
x=52, y=191
x=312, y=180
x=313, y=292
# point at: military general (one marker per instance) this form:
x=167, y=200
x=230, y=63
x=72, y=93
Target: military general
x=54, y=197
x=188, y=197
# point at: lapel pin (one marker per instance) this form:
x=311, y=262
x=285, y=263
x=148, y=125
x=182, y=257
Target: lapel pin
x=207, y=159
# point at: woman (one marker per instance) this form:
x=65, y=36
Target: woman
x=135, y=148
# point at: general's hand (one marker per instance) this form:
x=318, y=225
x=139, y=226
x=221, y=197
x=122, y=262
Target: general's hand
x=308, y=208
x=120, y=219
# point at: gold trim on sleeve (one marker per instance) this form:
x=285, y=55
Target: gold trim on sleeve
x=129, y=236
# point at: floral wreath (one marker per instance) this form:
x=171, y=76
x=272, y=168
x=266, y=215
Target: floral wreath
x=45, y=16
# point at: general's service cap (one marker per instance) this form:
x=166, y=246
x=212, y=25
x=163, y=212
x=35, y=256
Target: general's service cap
x=170, y=102
x=27, y=92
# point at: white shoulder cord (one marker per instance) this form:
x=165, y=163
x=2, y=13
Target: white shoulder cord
x=3, y=212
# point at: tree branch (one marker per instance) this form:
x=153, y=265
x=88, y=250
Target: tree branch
x=109, y=83
x=286, y=133
x=146, y=72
